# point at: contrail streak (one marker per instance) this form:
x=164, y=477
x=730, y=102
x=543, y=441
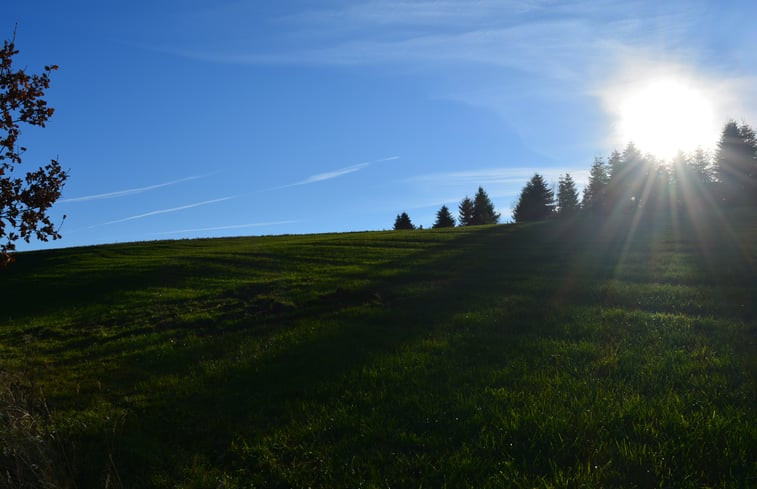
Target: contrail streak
x=166, y=211
x=131, y=191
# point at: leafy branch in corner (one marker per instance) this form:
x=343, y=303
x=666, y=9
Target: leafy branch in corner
x=24, y=200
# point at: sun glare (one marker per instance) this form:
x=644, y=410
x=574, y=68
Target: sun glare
x=663, y=116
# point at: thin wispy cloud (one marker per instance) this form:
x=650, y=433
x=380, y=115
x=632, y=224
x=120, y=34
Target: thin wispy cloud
x=539, y=48
x=511, y=47
x=497, y=176
x=563, y=40
x=332, y=174
x=531, y=51
x=321, y=177
x=450, y=202
x=388, y=158
x=132, y=191
x=422, y=12
x=166, y=211
x=226, y=228
x=459, y=14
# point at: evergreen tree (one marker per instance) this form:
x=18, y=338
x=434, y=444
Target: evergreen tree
x=536, y=201
x=736, y=164
x=701, y=167
x=615, y=165
x=483, y=209
x=403, y=222
x=444, y=219
x=465, y=212
x=691, y=179
x=655, y=193
x=628, y=174
x=684, y=182
x=567, y=196
x=595, y=197
x=616, y=180
x=680, y=164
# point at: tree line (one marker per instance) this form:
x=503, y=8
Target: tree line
x=632, y=182
x=470, y=212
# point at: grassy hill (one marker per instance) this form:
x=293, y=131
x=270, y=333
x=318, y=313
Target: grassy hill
x=545, y=355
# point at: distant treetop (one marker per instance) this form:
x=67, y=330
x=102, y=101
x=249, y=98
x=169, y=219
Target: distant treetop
x=465, y=212
x=567, y=197
x=483, y=209
x=536, y=201
x=444, y=219
x=403, y=222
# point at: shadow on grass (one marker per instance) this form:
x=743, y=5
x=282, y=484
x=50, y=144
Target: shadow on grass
x=340, y=328
x=471, y=272
x=354, y=324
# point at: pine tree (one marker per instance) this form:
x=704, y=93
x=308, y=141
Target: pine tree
x=655, y=192
x=483, y=209
x=465, y=212
x=403, y=222
x=595, y=193
x=616, y=177
x=628, y=174
x=444, y=219
x=615, y=165
x=701, y=166
x=691, y=178
x=567, y=196
x=685, y=183
x=536, y=201
x=736, y=164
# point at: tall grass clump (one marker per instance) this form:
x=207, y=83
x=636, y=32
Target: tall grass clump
x=32, y=455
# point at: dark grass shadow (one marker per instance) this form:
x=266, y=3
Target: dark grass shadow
x=472, y=272
x=468, y=274
x=30, y=288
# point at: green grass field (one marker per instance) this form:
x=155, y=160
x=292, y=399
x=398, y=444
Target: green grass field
x=544, y=355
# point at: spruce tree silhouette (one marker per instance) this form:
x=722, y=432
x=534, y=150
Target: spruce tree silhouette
x=465, y=212
x=403, y=222
x=483, y=209
x=567, y=196
x=595, y=193
x=444, y=219
x=536, y=201
x=736, y=164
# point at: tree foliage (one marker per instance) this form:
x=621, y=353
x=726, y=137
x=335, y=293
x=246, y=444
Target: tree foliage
x=24, y=201
x=567, y=197
x=483, y=209
x=736, y=164
x=444, y=218
x=403, y=222
x=691, y=180
x=465, y=212
x=627, y=178
x=595, y=193
x=536, y=201
x=633, y=184
x=700, y=165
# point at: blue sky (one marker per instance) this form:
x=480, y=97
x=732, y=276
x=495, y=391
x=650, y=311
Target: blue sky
x=180, y=119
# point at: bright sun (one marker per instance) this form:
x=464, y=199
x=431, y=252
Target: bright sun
x=663, y=116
